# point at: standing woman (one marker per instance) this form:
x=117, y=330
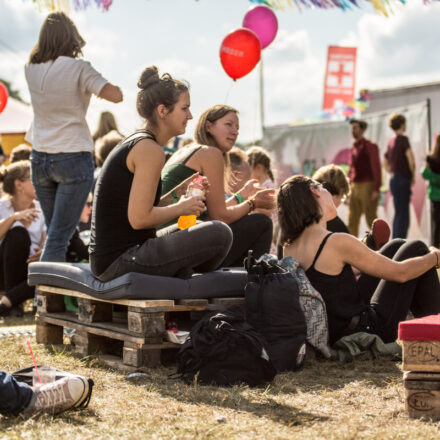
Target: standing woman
x=216, y=133
x=61, y=85
x=431, y=172
x=22, y=235
x=106, y=124
x=399, y=161
x=128, y=206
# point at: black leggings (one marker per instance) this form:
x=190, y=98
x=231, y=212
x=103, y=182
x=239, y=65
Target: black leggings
x=14, y=251
x=391, y=300
x=253, y=231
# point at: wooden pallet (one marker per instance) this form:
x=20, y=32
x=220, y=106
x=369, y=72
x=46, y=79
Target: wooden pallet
x=131, y=332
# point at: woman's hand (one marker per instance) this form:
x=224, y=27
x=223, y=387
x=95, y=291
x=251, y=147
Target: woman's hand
x=264, y=199
x=436, y=252
x=35, y=256
x=192, y=205
x=250, y=188
x=27, y=216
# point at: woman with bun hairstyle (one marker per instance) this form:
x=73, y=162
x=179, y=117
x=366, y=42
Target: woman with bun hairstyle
x=125, y=215
x=400, y=277
x=61, y=85
x=215, y=134
x=22, y=235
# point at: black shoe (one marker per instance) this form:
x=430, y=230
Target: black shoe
x=4, y=310
x=16, y=311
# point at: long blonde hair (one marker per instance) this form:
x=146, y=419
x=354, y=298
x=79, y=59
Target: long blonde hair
x=202, y=137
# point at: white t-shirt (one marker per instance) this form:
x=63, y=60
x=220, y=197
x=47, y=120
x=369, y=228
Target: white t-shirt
x=60, y=93
x=36, y=228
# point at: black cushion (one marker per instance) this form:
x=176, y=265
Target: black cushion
x=226, y=282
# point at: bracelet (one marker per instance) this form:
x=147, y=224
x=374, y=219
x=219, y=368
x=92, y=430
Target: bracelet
x=175, y=197
x=251, y=204
x=436, y=259
x=238, y=197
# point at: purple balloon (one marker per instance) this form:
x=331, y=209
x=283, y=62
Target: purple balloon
x=263, y=21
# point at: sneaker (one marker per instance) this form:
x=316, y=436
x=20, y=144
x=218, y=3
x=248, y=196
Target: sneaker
x=61, y=395
x=378, y=236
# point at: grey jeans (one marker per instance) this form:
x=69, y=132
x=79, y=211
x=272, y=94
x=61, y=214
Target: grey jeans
x=175, y=252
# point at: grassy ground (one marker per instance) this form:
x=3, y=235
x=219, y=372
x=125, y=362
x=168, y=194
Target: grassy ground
x=326, y=400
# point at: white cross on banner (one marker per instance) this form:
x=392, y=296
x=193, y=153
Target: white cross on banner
x=340, y=76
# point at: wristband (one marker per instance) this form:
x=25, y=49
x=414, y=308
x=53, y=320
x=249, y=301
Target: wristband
x=238, y=197
x=251, y=204
x=175, y=197
x=436, y=259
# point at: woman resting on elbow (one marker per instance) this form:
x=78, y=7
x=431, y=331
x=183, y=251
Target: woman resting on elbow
x=398, y=278
x=128, y=205
x=216, y=133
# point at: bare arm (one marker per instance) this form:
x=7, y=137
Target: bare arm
x=27, y=216
x=411, y=163
x=145, y=161
x=386, y=165
x=355, y=253
x=111, y=93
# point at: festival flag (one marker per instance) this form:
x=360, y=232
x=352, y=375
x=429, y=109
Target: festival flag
x=340, y=77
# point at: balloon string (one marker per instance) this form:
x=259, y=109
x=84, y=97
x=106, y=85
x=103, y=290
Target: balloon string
x=229, y=91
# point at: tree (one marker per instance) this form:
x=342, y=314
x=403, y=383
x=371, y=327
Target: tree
x=12, y=93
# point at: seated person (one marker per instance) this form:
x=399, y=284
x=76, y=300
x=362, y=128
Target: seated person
x=128, y=206
x=335, y=181
x=216, y=133
x=20, y=398
x=20, y=152
x=240, y=171
x=22, y=235
x=400, y=277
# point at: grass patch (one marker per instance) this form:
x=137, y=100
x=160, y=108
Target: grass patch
x=326, y=400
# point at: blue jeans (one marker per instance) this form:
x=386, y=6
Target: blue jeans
x=62, y=183
x=400, y=186
x=14, y=396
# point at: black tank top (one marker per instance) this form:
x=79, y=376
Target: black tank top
x=339, y=294
x=111, y=232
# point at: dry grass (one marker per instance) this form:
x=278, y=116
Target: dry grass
x=326, y=400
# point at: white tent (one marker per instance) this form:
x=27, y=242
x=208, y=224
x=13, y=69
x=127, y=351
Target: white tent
x=15, y=118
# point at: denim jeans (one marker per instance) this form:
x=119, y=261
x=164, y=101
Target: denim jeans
x=62, y=183
x=175, y=252
x=400, y=186
x=14, y=396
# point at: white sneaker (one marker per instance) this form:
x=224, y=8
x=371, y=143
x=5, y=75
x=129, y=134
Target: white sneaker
x=61, y=395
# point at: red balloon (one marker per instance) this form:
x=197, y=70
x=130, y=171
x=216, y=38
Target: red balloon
x=3, y=96
x=240, y=52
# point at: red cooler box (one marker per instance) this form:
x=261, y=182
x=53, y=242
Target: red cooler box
x=421, y=344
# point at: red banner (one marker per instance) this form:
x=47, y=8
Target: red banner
x=340, y=77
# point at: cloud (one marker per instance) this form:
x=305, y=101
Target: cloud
x=400, y=50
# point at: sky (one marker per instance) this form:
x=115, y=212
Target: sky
x=183, y=37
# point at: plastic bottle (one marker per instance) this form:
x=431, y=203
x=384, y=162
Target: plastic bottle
x=195, y=188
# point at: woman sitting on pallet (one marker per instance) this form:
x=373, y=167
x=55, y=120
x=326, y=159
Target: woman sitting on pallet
x=398, y=278
x=128, y=205
x=216, y=133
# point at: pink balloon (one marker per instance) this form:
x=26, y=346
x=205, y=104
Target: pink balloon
x=263, y=21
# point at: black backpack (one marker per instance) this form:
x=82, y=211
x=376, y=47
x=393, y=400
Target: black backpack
x=223, y=349
x=274, y=310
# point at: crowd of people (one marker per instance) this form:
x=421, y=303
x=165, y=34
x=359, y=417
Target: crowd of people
x=138, y=192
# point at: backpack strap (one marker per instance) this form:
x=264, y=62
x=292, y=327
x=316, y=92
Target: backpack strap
x=321, y=247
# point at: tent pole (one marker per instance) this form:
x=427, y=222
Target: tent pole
x=261, y=96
